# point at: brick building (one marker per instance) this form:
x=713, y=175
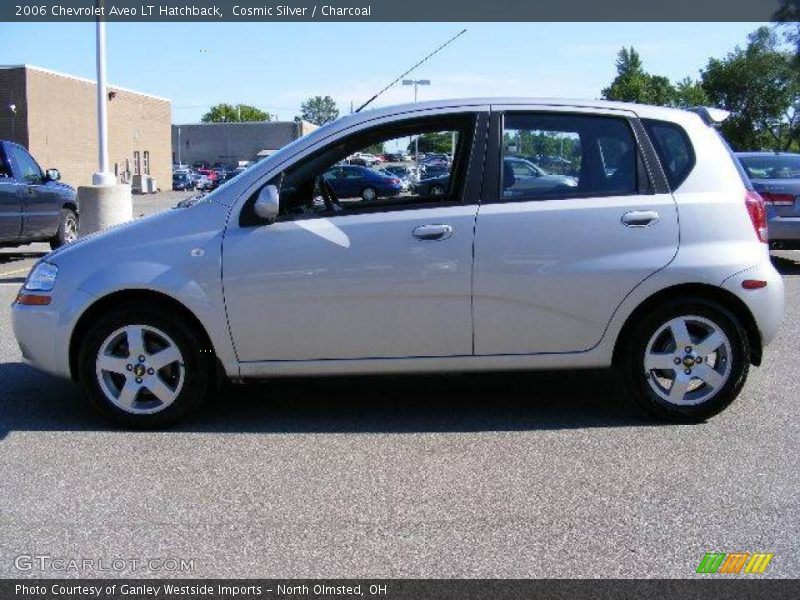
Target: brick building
x=55, y=117
x=229, y=143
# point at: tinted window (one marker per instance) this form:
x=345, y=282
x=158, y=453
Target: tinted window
x=673, y=148
x=776, y=166
x=28, y=168
x=336, y=181
x=553, y=156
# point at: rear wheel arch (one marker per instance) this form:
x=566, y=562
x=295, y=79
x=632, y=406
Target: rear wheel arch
x=702, y=291
x=165, y=303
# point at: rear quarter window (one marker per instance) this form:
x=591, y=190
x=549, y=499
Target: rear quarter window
x=673, y=148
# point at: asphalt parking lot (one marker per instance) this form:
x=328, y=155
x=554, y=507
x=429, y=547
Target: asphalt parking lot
x=541, y=475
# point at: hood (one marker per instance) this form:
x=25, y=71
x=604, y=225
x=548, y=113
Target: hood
x=202, y=217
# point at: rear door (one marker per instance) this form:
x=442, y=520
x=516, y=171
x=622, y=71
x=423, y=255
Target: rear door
x=10, y=201
x=553, y=263
x=41, y=203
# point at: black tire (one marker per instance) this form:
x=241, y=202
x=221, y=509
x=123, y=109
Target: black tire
x=198, y=363
x=635, y=381
x=67, y=229
x=368, y=194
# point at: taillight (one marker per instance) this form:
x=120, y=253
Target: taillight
x=758, y=214
x=778, y=199
x=395, y=181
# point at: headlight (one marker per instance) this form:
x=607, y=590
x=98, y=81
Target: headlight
x=42, y=278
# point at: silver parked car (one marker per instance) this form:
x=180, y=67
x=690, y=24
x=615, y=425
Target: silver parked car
x=273, y=275
x=776, y=176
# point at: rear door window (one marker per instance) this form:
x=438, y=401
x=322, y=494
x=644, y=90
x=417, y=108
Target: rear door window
x=550, y=156
x=673, y=148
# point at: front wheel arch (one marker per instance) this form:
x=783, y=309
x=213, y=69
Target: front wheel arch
x=698, y=290
x=165, y=303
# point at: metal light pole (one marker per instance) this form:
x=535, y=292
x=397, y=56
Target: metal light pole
x=104, y=203
x=102, y=176
x=416, y=83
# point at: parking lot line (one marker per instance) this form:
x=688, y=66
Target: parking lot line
x=15, y=272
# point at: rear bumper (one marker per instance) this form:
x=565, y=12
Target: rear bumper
x=784, y=229
x=765, y=304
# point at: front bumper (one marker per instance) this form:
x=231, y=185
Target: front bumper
x=43, y=332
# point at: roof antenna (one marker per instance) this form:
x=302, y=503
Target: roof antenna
x=447, y=43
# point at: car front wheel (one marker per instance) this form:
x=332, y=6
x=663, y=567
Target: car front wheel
x=67, y=229
x=686, y=361
x=142, y=368
x=369, y=194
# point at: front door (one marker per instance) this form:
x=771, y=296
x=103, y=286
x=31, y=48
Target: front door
x=554, y=261
x=10, y=202
x=41, y=202
x=340, y=278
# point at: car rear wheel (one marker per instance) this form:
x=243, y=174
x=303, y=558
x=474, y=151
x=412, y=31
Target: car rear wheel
x=67, y=229
x=369, y=194
x=686, y=361
x=142, y=368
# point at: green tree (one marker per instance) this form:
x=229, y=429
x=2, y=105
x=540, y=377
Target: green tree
x=689, y=93
x=759, y=85
x=319, y=110
x=437, y=143
x=228, y=113
x=633, y=84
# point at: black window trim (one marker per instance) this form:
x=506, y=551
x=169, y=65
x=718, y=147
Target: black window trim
x=471, y=164
x=492, y=192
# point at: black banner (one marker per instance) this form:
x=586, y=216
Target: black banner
x=388, y=10
x=734, y=588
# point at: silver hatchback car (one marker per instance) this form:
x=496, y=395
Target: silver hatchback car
x=648, y=253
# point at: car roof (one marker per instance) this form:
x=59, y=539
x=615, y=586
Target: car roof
x=355, y=119
x=754, y=154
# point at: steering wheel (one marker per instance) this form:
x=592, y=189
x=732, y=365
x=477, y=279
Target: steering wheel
x=328, y=195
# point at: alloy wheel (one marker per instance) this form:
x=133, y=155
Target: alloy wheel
x=140, y=369
x=688, y=360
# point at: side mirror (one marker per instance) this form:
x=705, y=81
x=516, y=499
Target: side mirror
x=267, y=204
x=53, y=175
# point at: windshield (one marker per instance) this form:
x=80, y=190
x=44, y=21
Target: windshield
x=777, y=166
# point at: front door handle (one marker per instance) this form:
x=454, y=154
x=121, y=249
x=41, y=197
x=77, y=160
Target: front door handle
x=433, y=232
x=640, y=218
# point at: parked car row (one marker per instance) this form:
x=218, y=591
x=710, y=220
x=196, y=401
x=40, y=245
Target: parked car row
x=202, y=178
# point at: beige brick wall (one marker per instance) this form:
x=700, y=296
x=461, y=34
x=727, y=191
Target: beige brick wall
x=62, y=124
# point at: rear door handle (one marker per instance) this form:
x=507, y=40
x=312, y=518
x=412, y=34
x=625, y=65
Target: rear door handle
x=640, y=218
x=433, y=232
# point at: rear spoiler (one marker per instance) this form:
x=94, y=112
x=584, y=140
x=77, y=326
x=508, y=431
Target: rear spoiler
x=711, y=116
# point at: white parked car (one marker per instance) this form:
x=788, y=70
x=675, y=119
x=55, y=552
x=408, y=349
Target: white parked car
x=655, y=262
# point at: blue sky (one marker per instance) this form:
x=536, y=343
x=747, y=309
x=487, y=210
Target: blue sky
x=276, y=65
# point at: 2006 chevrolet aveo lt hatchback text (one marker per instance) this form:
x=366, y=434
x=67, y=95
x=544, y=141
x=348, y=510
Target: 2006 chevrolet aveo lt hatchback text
x=634, y=241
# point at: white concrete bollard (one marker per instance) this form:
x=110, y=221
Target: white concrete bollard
x=102, y=206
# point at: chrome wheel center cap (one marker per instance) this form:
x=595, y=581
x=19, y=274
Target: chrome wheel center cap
x=689, y=361
x=139, y=370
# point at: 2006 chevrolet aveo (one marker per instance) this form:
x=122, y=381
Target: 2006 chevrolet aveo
x=619, y=235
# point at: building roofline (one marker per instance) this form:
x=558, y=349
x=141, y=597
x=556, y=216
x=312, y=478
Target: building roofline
x=83, y=79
